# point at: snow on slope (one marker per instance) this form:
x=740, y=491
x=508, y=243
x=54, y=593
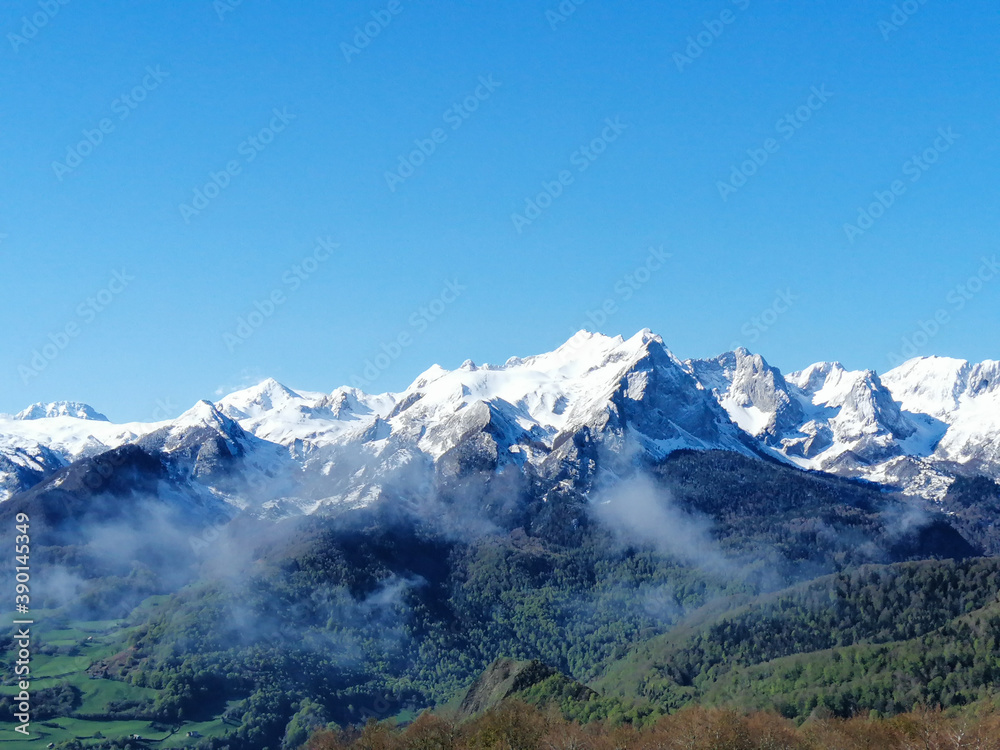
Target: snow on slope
x=536, y=397
x=526, y=411
x=69, y=436
x=826, y=418
x=539, y=396
x=33, y=445
x=302, y=419
x=753, y=393
x=962, y=399
x=563, y=412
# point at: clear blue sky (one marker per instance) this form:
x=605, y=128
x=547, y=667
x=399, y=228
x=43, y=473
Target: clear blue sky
x=68, y=227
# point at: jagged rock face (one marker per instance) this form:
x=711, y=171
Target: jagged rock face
x=482, y=431
x=754, y=394
x=662, y=402
x=647, y=404
x=596, y=404
x=865, y=406
x=505, y=678
x=809, y=441
x=204, y=440
x=823, y=417
x=837, y=421
x=868, y=425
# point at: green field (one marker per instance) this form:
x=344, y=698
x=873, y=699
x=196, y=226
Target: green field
x=86, y=643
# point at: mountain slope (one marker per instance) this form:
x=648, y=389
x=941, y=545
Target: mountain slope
x=876, y=638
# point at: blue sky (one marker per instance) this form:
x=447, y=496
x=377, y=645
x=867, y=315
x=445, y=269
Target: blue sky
x=383, y=189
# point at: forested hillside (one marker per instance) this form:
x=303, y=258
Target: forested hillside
x=280, y=625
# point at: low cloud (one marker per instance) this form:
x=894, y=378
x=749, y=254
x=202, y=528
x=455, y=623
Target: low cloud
x=641, y=512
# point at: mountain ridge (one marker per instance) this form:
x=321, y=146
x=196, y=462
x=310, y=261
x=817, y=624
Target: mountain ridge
x=590, y=406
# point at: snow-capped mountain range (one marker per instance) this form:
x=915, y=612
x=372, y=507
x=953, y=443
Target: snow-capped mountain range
x=594, y=404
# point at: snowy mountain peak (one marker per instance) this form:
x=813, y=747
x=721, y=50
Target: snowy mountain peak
x=61, y=409
x=201, y=430
x=564, y=413
x=428, y=376
x=959, y=404
x=258, y=399
x=582, y=347
x=817, y=376
x=588, y=339
x=202, y=414
x=930, y=385
x=646, y=341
